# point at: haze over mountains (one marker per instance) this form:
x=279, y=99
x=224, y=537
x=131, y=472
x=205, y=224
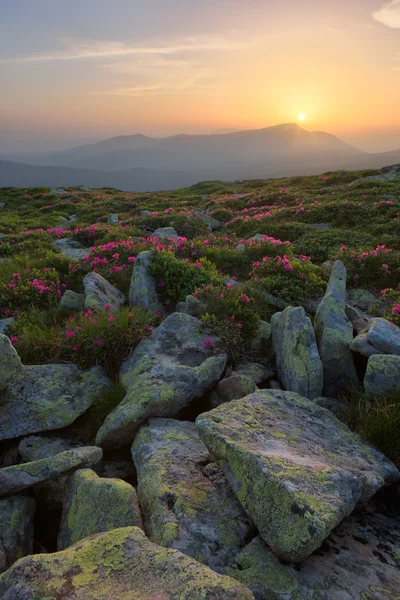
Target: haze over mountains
x=142, y=163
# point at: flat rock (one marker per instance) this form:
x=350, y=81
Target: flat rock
x=381, y=335
x=46, y=397
x=121, y=564
x=296, y=469
x=16, y=529
x=10, y=362
x=382, y=377
x=297, y=357
x=100, y=293
x=96, y=505
x=166, y=233
x=70, y=248
x=362, y=299
x=186, y=500
x=19, y=477
x=142, y=291
x=162, y=376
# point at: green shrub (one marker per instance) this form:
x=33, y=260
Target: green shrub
x=32, y=288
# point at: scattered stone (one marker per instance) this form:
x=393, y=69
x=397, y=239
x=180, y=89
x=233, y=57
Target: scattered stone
x=296, y=469
x=10, y=362
x=16, y=529
x=6, y=324
x=186, y=501
x=254, y=371
x=213, y=224
x=72, y=300
x=382, y=377
x=122, y=563
x=362, y=299
x=100, y=293
x=46, y=397
x=382, y=336
x=19, y=477
x=162, y=376
x=2, y=205
x=192, y=306
x=70, y=248
x=166, y=233
x=232, y=388
x=145, y=213
x=334, y=334
x=297, y=357
x=359, y=320
x=142, y=291
x=95, y=505
x=113, y=219
x=241, y=248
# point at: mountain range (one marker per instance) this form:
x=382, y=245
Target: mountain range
x=142, y=163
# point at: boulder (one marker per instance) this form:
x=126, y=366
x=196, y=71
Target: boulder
x=382, y=377
x=213, y=224
x=232, y=388
x=112, y=219
x=381, y=337
x=255, y=371
x=296, y=469
x=334, y=334
x=96, y=505
x=262, y=343
x=121, y=564
x=142, y=291
x=10, y=362
x=362, y=299
x=46, y=397
x=72, y=300
x=16, y=529
x=297, y=357
x=6, y=324
x=19, y=477
x=168, y=233
x=70, y=248
x=360, y=321
x=192, y=306
x=186, y=500
x=162, y=376
x=99, y=293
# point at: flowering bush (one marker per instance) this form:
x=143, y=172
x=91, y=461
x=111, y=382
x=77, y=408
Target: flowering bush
x=33, y=288
x=377, y=268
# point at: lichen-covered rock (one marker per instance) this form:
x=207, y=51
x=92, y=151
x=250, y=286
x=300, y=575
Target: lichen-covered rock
x=121, y=564
x=46, y=397
x=96, y=505
x=163, y=375
x=186, y=500
x=382, y=377
x=334, y=334
x=297, y=357
x=296, y=469
x=99, y=293
x=165, y=233
x=16, y=529
x=263, y=340
x=112, y=219
x=380, y=337
x=142, y=291
x=10, y=362
x=70, y=248
x=232, y=388
x=6, y=325
x=192, y=306
x=257, y=372
x=362, y=299
x=72, y=300
x=359, y=560
x=213, y=224
x=19, y=477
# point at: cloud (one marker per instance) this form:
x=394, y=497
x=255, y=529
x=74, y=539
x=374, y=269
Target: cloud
x=389, y=14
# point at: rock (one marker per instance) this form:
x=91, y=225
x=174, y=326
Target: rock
x=58, y=192
x=334, y=335
x=192, y=306
x=6, y=324
x=115, y=469
x=72, y=300
x=95, y=505
x=361, y=345
x=362, y=299
x=162, y=376
x=10, y=362
x=254, y=371
x=99, y=293
x=383, y=336
x=360, y=559
x=296, y=469
x=70, y=248
x=186, y=501
x=382, y=377
x=46, y=397
x=359, y=320
x=241, y=248
x=142, y=291
x=269, y=298
x=16, y=529
x=2, y=205
x=145, y=213
x=166, y=233
x=121, y=564
x=297, y=357
x=327, y=267
x=112, y=219
x=232, y=388
x=274, y=385
x=19, y=477
x=214, y=224
x=263, y=340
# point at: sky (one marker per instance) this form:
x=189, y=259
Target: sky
x=81, y=70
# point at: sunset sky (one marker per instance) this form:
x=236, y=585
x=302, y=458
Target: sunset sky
x=83, y=69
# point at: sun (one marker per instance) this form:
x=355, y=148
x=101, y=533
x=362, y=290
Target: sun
x=301, y=117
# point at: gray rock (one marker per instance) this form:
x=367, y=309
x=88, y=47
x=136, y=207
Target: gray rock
x=359, y=320
x=297, y=357
x=254, y=371
x=10, y=362
x=327, y=267
x=112, y=219
x=72, y=300
x=192, y=306
x=186, y=501
x=99, y=292
x=115, y=469
x=382, y=377
x=334, y=334
x=262, y=342
x=145, y=213
x=362, y=299
x=19, y=477
x=166, y=233
x=384, y=336
x=6, y=324
x=70, y=248
x=361, y=345
x=296, y=469
x=163, y=375
x=95, y=505
x=46, y=397
x=241, y=248
x=142, y=291
x=232, y=388
x=16, y=529
x=213, y=224
x=274, y=385
x=2, y=205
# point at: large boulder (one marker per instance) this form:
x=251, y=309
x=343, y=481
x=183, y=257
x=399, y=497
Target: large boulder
x=16, y=529
x=168, y=233
x=121, y=564
x=380, y=337
x=70, y=248
x=96, y=505
x=46, y=397
x=142, y=291
x=19, y=477
x=186, y=500
x=163, y=375
x=382, y=377
x=296, y=469
x=100, y=293
x=297, y=357
x=362, y=299
x=334, y=335
x=10, y=362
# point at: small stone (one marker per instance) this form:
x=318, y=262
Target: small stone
x=72, y=300
x=166, y=233
x=232, y=388
x=113, y=219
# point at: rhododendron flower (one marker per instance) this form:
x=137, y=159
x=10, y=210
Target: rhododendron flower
x=97, y=342
x=76, y=348
x=13, y=339
x=131, y=259
x=69, y=334
x=208, y=343
x=244, y=298
x=161, y=284
x=240, y=326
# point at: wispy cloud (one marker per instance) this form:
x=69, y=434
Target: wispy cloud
x=389, y=14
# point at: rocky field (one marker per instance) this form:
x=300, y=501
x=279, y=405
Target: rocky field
x=200, y=391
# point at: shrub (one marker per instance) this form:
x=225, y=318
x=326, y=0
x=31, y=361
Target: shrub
x=377, y=268
x=33, y=288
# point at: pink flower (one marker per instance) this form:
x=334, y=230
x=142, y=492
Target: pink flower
x=131, y=259
x=69, y=334
x=244, y=298
x=161, y=284
x=13, y=339
x=76, y=348
x=107, y=307
x=208, y=343
x=356, y=276
x=97, y=342
x=239, y=326
x=116, y=256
